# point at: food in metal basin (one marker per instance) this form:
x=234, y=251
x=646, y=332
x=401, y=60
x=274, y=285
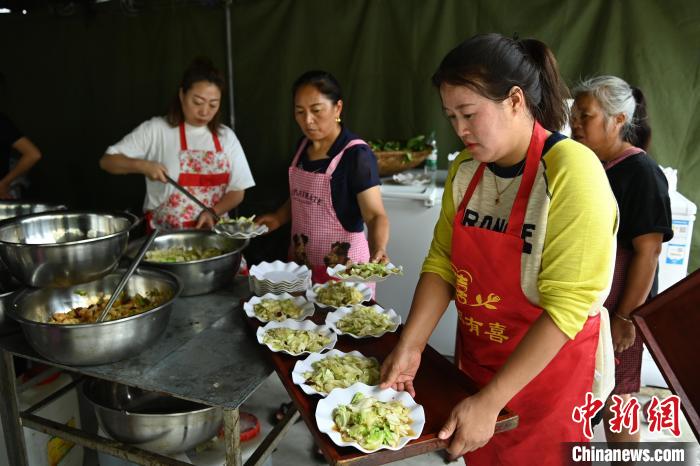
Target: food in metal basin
x=125, y=306
x=181, y=254
x=277, y=309
x=341, y=372
x=364, y=321
x=373, y=423
x=339, y=294
x=295, y=341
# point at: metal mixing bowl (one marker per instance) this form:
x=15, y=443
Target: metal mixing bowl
x=199, y=276
x=149, y=420
x=60, y=249
x=9, y=209
x=100, y=343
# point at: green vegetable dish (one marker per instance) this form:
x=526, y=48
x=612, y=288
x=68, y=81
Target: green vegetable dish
x=341, y=372
x=338, y=294
x=181, y=254
x=295, y=341
x=277, y=310
x=364, y=321
x=373, y=423
x=368, y=270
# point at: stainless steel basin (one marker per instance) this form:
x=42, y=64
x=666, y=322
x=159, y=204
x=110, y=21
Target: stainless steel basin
x=60, y=249
x=9, y=209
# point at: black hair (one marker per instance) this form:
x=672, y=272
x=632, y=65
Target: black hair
x=201, y=69
x=491, y=64
x=323, y=81
x=640, y=135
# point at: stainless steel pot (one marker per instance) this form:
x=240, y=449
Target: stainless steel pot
x=151, y=421
x=92, y=344
x=200, y=276
x=9, y=209
x=62, y=249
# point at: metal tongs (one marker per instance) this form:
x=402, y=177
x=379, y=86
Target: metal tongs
x=192, y=197
x=125, y=278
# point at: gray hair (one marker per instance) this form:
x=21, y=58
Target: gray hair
x=614, y=96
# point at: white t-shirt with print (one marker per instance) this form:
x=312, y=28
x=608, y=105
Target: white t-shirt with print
x=155, y=140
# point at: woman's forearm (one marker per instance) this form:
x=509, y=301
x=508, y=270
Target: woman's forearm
x=537, y=348
x=378, y=233
x=120, y=164
x=284, y=213
x=430, y=300
x=640, y=275
x=30, y=155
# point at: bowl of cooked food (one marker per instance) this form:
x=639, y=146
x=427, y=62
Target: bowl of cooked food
x=60, y=324
x=151, y=420
x=61, y=249
x=203, y=260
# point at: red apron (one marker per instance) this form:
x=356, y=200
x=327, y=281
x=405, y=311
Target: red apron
x=494, y=314
x=203, y=173
x=318, y=238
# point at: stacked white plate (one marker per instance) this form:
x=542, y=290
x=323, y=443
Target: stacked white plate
x=279, y=277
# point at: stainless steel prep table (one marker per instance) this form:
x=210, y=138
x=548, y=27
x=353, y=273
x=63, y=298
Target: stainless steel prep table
x=206, y=355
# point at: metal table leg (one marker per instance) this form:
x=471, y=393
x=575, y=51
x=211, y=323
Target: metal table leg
x=232, y=437
x=9, y=411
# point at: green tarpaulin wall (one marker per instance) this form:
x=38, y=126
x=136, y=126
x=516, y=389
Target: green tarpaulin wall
x=77, y=83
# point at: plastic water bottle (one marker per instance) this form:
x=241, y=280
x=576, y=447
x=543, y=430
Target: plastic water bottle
x=430, y=167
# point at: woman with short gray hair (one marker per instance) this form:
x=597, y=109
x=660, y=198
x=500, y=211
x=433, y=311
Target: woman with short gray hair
x=609, y=116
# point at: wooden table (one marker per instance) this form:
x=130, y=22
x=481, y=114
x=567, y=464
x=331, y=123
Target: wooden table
x=439, y=387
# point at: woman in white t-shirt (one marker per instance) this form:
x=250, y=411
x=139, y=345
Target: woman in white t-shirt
x=191, y=146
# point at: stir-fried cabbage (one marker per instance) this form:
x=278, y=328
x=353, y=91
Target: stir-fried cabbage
x=338, y=294
x=373, y=423
x=240, y=223
x=368, y=270
x=181, y=254
x=364, y=321
x=295, y=341
x=277, y=309
x=341, y=372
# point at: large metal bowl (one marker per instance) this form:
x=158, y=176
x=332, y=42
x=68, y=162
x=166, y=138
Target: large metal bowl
x=62, y=249
x=159, y=423
x=9, y=209
x=200, y=276
x=100, y=343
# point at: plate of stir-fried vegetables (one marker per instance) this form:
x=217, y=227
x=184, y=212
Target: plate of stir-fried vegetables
x=321, y=373
x=369, y=418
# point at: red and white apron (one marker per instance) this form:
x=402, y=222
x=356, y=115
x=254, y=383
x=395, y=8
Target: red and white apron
x=494, y=315
x=628, y=372
x=319, y=239
x=203, y=173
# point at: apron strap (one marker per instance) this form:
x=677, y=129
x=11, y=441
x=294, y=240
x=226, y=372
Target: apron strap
x=532, y=163
x=183, y=139
x=472, y=187
x=302, y=146
x=336, y=160
x=629, y=152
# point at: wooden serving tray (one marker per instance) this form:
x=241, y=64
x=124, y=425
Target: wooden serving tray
x=439, y=387
x=669, y=324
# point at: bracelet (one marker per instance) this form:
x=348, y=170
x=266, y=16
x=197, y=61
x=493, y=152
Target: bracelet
x=626, y=319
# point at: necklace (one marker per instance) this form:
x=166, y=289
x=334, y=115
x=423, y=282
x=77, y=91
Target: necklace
x=499, y=192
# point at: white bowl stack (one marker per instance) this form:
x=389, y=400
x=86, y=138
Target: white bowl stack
x=279, y=277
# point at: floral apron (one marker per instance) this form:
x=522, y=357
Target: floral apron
x=319, y=240
x=203, y=173
x=494, y=315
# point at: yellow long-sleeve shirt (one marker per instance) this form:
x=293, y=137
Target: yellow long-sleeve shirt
x=569, y=229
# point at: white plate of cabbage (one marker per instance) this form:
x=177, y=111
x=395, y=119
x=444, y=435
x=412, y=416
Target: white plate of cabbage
x=364, y=272
x=321, y=373
x=369, y=418
x=240, y=227
x=334, y=294
x=278, y=307
x=295, y=338
x=361, y=321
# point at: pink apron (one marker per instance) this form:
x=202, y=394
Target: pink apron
x=494, y=315
x=203, y=173
x=319, y=240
